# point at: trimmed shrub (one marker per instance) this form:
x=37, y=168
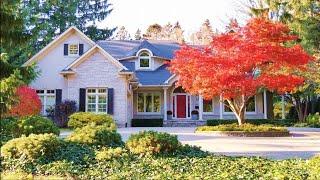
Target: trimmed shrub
x=30, y=149
x=314, y=167
x=81, y=119
x=244, y=127
x=151, y=142
x=147, y=122
x=314, y=120
x=36, y=125
x=9, y=129
x=63, y=111
x=29, y=103
x=282, y=122
x=96, y=136
x=106, y=154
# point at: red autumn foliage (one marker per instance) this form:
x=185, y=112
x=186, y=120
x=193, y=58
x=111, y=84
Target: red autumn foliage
x=239, y=64
x=29, y=103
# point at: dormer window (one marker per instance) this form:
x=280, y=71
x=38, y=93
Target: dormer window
x=144, y=60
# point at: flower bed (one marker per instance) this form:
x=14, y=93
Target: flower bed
x=249, y=130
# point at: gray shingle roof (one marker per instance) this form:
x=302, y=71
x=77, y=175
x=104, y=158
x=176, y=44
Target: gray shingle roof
x=156, y=77
x=120, y=49
x=125, y=48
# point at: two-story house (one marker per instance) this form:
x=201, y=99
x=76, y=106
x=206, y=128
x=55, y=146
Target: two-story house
x=127, y=79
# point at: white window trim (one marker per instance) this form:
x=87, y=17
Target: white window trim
x=45, y=95
x=149, y=57
x=73, y=55
x=211, y=112
x=152, y=103
x=96, y=94
x=246, y=112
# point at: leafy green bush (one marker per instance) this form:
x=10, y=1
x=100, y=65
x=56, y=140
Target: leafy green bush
x=106, y=154
x=81, y=119
x=314, y=120
x=245, y=127
x=96, y=136
x=151, y=142
x=36, y=125
x=276, y=122
x=314, y=167
x=8, y=129
x=147, y=122
x=24, y=151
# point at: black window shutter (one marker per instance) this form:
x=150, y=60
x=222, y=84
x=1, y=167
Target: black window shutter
x=58, y=96
x=65, y=49
x=82, y=99
x=110, y=100
x=80, y=49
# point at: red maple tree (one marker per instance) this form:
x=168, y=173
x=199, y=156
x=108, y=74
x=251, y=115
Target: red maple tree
x=29, y=103
x=239, y=64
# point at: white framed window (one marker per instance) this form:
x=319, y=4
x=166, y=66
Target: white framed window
x=149, y=102
x=73, y=49
x=208, y=106
x=48, y=100
x=97, y=100
x=250, y=107
x=144, y=60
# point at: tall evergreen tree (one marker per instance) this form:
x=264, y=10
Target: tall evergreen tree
x=122, y=34
x=45, y=20
x=137, y=35
x=204, y=35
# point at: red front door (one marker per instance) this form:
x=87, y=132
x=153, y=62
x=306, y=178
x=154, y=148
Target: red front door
x=181, y=106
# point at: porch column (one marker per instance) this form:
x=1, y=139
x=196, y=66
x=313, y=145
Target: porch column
x=200, y=107
x=221, y=107
x=265, y=104
x=283, y=107
x=165, y=117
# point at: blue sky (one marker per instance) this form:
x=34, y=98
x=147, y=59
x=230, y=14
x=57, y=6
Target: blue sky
x=134, y=14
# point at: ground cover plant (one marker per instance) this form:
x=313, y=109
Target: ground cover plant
x=245, y=128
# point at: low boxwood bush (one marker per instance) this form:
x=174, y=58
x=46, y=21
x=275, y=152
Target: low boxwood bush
x=245, y=127
x=81, y=119
x=280, y=122
x=106, y=154
x=36, y=125
x=151, y=142
x=147, y=122
x=96, y=136
x=24, y=151
x=8, y=129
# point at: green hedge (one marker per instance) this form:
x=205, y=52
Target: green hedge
x=96, y=136
x=284, y=122
x=245, y=128
x=152, y=142
x=81, y=119
x=147, y=122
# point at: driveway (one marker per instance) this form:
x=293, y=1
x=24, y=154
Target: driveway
x=304, y=142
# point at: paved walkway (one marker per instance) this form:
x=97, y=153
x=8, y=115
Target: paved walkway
x=304, y=142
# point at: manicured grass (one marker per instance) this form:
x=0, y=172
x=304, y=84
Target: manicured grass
x=245, y=128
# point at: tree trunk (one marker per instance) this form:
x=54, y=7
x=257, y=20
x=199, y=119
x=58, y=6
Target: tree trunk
x=238, y=108
x=241, y=117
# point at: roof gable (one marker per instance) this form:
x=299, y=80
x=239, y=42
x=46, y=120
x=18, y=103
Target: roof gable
x=56, y=41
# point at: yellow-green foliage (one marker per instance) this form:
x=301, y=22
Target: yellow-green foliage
x=106, y=154
x=81, y=119
x=277, y=109
x=96, y=135
x=313, y=119
x=314, y=167
x=31, y=147
x=151, y=142
x=245, y=127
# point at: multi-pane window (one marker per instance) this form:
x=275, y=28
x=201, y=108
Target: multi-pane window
x=144, y=60
x=97, y=100
x=48, y=100
x=251, y=105
x=149, y=102
x=73, y=49
x=207, y=106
